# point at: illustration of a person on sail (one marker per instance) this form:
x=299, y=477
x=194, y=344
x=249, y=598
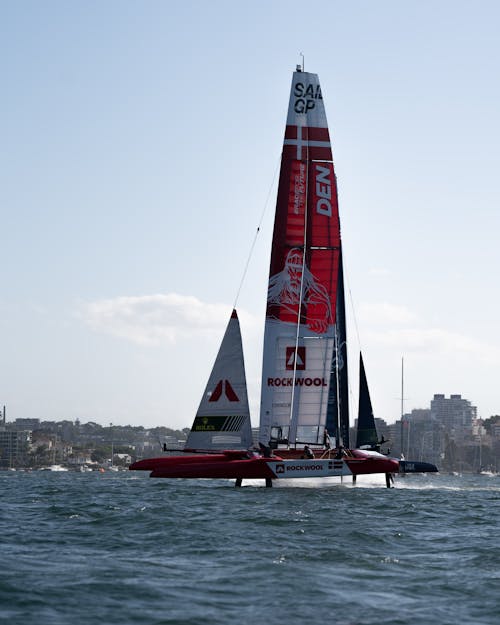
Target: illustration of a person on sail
x=284, y=290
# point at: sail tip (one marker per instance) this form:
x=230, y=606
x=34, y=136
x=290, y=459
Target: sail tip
x=234, y=314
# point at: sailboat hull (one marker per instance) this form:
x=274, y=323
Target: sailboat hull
x=236, y=465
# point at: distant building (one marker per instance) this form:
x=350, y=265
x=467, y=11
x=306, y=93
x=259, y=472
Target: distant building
x=124, y=459
x=14, y=445
x=478, y=430
x=455, y=414
x=27, y=424
x=41, y=439
x=80, y=459
x=420, y=436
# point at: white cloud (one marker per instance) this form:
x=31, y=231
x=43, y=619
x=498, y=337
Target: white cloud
x=434, y=341
x=397, y=327
x=154, y=319
x=383, y=313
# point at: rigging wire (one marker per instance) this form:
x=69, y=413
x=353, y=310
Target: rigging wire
x=351, y=302
x=252, y=247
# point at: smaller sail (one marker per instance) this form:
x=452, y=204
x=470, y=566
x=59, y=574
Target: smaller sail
x=223, y=417
x=366, y=432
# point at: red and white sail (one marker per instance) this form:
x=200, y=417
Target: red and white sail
x=301, y=306
x=223, y=417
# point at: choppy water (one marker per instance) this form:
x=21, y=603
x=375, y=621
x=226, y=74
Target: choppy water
x=123, y=548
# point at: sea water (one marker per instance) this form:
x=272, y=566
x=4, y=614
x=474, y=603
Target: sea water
x=123, y=548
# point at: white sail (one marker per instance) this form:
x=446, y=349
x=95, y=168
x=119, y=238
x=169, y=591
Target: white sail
x=223, y=417
x=299, y=338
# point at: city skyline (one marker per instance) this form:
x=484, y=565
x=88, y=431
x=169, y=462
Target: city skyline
x=407, y=413
x=448, y=434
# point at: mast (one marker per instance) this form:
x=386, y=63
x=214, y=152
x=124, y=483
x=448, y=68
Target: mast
x=402, y=385
x=112, y=443
x=341, y=360
x=404, y=422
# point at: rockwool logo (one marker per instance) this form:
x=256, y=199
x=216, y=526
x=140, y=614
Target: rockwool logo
x=228, y=391
x=301, y=467
x=296, y=356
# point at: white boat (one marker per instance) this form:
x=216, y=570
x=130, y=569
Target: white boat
x=56, y=467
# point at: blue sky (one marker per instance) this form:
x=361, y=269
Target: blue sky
x=140, y=141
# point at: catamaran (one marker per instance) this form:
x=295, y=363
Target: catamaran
x=304, y=419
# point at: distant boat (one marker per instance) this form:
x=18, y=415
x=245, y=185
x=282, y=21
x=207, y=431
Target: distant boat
x=488, y=473
x=304, y=418
x=56, y=467
x=484, y=470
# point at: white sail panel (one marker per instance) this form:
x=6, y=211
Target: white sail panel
x=305, y=106
x=295, y=384
x=223, y=417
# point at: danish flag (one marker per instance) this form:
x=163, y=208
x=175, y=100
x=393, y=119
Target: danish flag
x=228, y=391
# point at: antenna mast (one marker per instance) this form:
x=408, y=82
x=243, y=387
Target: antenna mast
x=402, y=387
x=402, y=406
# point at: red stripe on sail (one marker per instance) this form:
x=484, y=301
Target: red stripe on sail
x=215, y=396
x=319, y=134
x=324, y=233
x=230, y=394
x=313, y=133
x=287, y=262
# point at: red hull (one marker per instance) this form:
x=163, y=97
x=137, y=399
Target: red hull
x=238, y=465
x=227, y=465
